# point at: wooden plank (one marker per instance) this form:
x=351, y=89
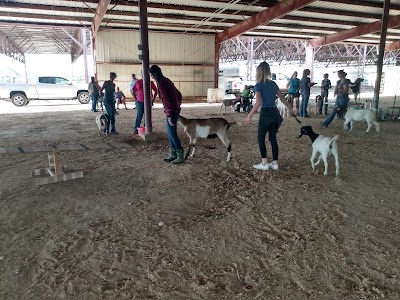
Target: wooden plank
x=12, y=150
x=57, y=163
x=30, y=149
x=51, y=172
x=39, y=172
x=60, y=178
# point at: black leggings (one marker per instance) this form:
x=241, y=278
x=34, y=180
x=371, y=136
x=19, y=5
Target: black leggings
x=268, y=123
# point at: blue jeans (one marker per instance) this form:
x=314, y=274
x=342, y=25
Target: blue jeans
x=324, y=95
x=110, y=109
x=330, y=117
x=94, y=97
x=139, y=114
x=340, y=102
x=304, y=103
x=172, y=132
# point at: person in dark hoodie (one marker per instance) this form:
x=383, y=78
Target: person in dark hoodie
x=171, y=99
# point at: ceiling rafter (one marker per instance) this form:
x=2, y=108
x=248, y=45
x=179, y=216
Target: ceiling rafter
x=10, y=49
x=364, y=29
x=181, y=10
x=393, y=46
x=333, y=12
x=274, y=12
x=99, y=15
x=311, y=21
x=365, y=3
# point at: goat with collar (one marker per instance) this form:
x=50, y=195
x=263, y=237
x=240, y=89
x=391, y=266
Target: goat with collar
x=103, y=124
x=324, y=145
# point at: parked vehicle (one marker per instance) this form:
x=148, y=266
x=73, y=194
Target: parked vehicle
x=45, y=88
x=282, y=81
x=236, y=85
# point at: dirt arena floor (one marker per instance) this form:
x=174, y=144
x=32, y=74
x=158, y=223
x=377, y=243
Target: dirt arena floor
x=136, y=227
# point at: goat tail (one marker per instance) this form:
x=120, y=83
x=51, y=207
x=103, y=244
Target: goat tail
x=332, y=141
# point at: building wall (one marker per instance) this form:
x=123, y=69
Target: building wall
x=188, y=60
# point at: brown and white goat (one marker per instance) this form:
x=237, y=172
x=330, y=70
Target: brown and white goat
x=206, y=128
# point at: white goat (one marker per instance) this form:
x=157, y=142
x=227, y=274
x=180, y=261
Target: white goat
x=283, y=110
x=360, y=115
x=324, y=145
x=206, y=128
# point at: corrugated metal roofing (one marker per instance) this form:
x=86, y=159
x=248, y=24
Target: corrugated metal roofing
x=326, y=5
x=186, y=16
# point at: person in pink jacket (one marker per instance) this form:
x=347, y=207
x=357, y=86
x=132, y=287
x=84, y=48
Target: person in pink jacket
x=138, y=94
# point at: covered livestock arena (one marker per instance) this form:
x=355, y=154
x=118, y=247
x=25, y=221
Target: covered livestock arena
x=121, y=223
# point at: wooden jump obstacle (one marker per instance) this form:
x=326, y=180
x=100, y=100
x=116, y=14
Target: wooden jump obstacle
x=56, y=170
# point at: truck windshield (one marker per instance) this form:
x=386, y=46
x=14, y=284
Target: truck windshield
x=53, y=80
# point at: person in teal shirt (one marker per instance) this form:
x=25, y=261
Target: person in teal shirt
x=293, y=90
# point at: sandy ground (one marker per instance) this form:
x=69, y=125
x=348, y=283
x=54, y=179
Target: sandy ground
x=138, y=228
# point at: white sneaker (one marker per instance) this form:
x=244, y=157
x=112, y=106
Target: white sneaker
x=261, y=166
x=274, y=167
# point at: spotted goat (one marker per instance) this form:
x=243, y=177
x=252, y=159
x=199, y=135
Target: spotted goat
x=206, y=128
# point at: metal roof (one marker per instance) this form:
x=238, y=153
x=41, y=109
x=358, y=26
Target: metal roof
x=46, y=26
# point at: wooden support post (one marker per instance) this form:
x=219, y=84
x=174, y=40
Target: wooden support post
x=57, y=163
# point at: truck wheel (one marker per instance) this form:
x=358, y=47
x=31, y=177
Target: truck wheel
x=19, y=100
x=83, y=98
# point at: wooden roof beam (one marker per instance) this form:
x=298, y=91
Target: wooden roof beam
x=365, y=3
x=392, y=46
x=344, y=13
x=364, y=29
x=274, y=12
x=101, y=10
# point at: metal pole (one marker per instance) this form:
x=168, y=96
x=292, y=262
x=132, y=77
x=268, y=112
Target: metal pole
x=216, y=64
x=26, y=71
x=144, y=41
x=250, y=54
x=381, y=53
x=84, y=48
x=364, y=58
x=310, y=60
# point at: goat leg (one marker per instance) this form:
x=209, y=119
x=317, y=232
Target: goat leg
x=193, y=147
x=313, y=155
x=318, y=161
x=229, y=152
x=369, y=126
x=335, y=154
x=325, y=159
x=188, y=152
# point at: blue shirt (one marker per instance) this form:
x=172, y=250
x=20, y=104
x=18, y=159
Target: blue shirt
x=109, y=90
x=294, y=85
x=268, y=90
x=325, y=84
x=119, y=95
x=305, y=85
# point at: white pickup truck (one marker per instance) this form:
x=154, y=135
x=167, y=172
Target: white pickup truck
x=237, y=85
x=45, y=88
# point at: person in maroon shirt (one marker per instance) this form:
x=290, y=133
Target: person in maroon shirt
x=171, y=99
